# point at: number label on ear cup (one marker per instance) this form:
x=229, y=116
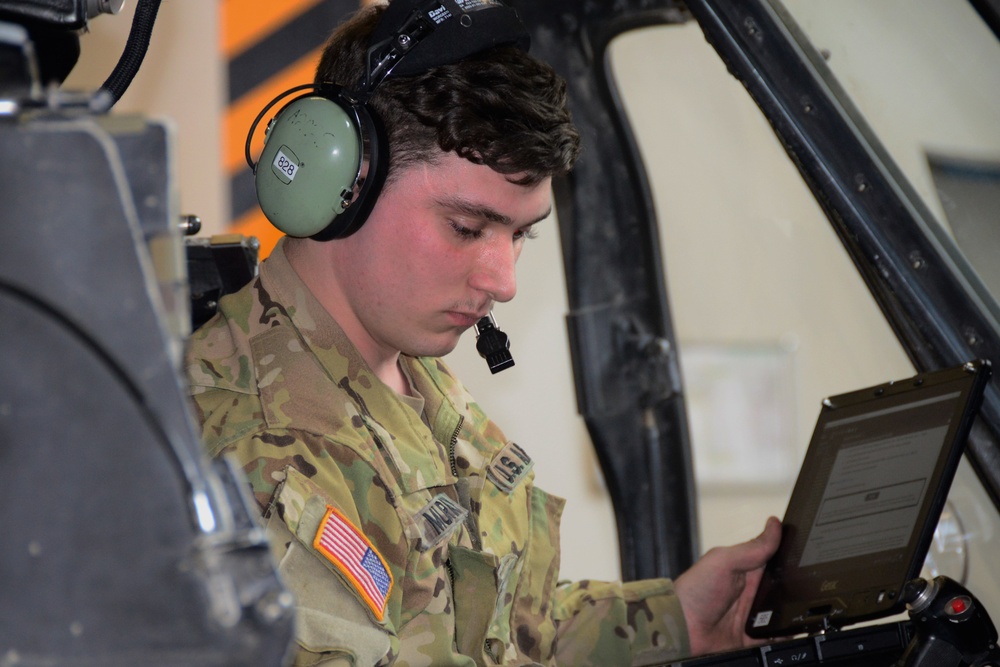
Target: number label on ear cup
x=285, y=165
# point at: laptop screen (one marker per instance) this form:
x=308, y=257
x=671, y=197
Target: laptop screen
x=866, y=502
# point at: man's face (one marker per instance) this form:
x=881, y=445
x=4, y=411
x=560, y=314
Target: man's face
x=437, y=251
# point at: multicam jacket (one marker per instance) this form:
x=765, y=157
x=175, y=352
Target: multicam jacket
x=406, y=538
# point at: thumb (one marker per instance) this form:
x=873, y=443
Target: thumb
x=760, y=549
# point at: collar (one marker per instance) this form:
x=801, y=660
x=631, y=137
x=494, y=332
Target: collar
x=420, y=458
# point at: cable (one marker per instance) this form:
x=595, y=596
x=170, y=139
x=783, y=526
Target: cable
x=131, y=59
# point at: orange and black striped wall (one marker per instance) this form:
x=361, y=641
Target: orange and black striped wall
x=269, y=46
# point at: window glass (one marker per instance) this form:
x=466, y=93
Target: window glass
x=770, y=313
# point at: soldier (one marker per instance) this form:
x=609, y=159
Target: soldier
x=407, y=526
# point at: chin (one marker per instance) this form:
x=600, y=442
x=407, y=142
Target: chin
x=433, y=348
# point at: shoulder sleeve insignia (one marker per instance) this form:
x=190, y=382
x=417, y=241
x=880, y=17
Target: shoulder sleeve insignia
x=509, y=467
x=356, y=558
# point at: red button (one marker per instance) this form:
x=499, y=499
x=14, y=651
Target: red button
x=958, y=605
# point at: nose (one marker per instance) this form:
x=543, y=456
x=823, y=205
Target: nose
x=494, y=272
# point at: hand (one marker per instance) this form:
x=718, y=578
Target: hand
x=717, y=591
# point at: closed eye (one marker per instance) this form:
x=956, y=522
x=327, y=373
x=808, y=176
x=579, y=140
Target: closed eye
x=526, y=233
x=465, y=232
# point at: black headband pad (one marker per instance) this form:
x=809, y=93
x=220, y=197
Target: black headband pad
x=458, y=29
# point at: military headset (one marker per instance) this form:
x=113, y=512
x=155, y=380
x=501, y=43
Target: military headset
x=317, y=146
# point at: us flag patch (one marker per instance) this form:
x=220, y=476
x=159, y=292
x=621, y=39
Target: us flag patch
x=347, y=548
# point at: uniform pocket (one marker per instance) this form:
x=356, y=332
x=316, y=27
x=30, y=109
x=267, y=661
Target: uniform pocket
x=533, y=628
x=482, y=586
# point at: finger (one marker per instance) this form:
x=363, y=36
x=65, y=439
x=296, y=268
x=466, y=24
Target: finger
x=755, y=553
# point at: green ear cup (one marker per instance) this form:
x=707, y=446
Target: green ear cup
x=309, y=166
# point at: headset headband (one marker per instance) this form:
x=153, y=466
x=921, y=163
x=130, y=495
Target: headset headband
x=430, y=33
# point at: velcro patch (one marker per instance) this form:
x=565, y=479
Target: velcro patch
x=438, y=520
x=356, y=558
x=510, y=465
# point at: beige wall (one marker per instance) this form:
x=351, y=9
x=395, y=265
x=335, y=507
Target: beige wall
x=182, y=80
x=750, y=259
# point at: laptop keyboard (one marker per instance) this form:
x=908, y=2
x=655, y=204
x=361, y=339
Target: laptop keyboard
x=872, y=646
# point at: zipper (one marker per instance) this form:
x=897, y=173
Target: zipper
x=451, y=576
x=453, y=443
x=471, y=525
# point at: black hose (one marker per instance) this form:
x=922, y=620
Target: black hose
x=132, y=57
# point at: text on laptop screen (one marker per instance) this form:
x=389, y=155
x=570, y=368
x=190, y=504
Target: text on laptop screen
x=859, y=512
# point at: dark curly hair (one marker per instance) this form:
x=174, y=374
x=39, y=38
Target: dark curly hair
x=501, y=108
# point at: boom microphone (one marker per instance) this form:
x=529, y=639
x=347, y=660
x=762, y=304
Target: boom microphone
x=492, y=344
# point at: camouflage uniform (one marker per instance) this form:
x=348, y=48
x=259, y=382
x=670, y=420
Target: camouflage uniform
x=461, y=546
